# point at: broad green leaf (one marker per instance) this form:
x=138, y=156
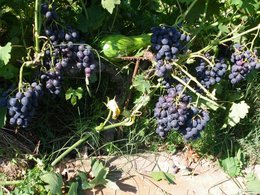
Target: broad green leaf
x=79, y=92
x=160, y=175
x=69, y=93
x=96, y=16
x=238, y=3
x=53, y=182
x=231, y=166
x=2, y=116
x=73, y=189
x=109, y=5
x=223, y=28
x=100, y=173
x=73, y=100
x=5, y=54
x=237, y=111
x=141, y=84
x=84, y=181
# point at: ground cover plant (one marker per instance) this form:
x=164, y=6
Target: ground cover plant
x=126, y=76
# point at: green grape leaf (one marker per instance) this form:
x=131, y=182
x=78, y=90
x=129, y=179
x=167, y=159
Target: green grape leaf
x=79, y=92
x=5, y=54
x=84, y=181
x=231, y=166
x=3, y=111
x=238, y=3
x=96, y=16
x=73, y=189
x=160, y=175
x=53, y=182
x=109, y=5
x=140, y=84
x=237, y=111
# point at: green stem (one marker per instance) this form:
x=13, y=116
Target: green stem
x=241, y=34
x=66, y=152
x=84, y=9
x=195, y=80
x=37, y=24
x=10, y=183
x=198, y=94
x=20, y=85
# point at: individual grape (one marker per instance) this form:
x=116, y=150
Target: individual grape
x=244, y=61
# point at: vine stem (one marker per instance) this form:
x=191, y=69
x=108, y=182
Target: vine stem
x=66, y=152
x=195, y=80
x=241, y=34
x=7, y=183
x=37, y=25
x=20, y=85
x=125, y=122
x=199, y=95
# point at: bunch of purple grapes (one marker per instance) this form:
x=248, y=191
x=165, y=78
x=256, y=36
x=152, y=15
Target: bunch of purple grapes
x=210, y=75
x=244, y=61
x=21, y=107
x=173, y=112
x=167, y=43
x=196, y=121
x=65, y=53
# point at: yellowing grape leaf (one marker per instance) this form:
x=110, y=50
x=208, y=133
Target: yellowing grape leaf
x=109, y=5
x=237, y=111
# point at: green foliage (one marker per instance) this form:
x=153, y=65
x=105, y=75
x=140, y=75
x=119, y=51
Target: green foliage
x=99, y=178
x=233, y=165
x=160, y=175
x=74, y=95
x=237, y=111
x=141, y=84
x=5, y=54
x=53, y=182
x=109, y=5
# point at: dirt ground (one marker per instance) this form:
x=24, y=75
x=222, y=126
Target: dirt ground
x=195, y=177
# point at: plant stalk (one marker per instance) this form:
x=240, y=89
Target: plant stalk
x=66, y=152
x=10, y=183
x=37, y=25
